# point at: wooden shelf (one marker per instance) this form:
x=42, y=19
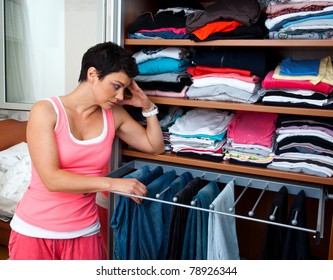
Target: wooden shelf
x=173, y=158
x=242, y=106
x=225, y=166
x=237, y=106
x=239, y=42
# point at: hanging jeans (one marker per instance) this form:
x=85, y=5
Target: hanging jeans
x=133, y=242
x=275, y=235
x=178, y=219
x=296, y=246
x=120, y=218
x=222, y=237
x=177, y=185
x=150, y=219
x=195, y=240
x=123, y=213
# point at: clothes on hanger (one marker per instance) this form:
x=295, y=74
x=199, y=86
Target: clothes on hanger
x=196, y=233
x=121, y=220
x=287, y=243
x=168, y=194
x=177, y=226
x=296, y=246
x=222, y=236
x=187, y=217
x=275, y=235
x=149, y=216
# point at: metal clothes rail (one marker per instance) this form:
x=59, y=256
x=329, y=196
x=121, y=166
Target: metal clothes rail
x=241, y=180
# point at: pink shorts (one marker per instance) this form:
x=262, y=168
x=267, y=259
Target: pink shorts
x=103, y=219
x=22, y=247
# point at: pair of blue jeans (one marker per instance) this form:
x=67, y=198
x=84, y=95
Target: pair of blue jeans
x=195, y=240
x=150, y=220
x=178, y=218
x=121, y=220
x=222, y=236
x=176, y=186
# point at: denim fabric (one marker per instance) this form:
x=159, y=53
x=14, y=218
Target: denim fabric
x=195, y=240
x=123, y=212
x=222, y=237
x=120, y=218
x=150, y=219
x=151, y=176
x=178, y=184
x=134, y=239
x=178, y=219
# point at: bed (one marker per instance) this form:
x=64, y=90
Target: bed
x=14, y=164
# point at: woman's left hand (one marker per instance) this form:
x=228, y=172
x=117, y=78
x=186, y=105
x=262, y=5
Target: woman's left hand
x=139, y=98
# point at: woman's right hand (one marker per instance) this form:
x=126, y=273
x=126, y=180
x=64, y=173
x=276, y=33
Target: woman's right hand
x=132, y=186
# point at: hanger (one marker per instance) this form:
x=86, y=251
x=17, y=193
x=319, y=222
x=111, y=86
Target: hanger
x=272, y=216
x=158, y=195
x=294, y=221
x=239, y=197
x=251, y=212
x=274, y=185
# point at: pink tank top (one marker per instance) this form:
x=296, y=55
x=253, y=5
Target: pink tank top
x=59, y=211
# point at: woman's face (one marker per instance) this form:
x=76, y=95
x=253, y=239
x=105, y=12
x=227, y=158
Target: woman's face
x=110, y=89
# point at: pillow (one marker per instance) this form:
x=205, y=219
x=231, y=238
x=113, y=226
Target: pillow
x=2, y=173
x=13, y=185
x=12, y=155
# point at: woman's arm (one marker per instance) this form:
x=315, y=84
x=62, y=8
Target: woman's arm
x=147, y=139
x=44, y=155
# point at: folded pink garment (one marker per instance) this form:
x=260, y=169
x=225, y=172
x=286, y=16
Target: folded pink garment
x=170, y=29
x=167, y=93
x=270, y=83
x=253, y=128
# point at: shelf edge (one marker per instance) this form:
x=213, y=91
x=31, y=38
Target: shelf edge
x=225, y=166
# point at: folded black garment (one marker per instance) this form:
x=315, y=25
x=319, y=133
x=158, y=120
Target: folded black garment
x=298, y=120
x=163, y=86
x=150, y=21
x=194, y=4
x=201, y=156
x=297, y=105
x=253, y=60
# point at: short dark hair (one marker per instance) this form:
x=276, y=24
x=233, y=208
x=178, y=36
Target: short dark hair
x=107, y=58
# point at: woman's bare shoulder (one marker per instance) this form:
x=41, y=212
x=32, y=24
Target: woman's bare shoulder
x=43, y=105
x=42, y=110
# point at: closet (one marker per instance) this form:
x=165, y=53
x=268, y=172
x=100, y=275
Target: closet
x=250, y=230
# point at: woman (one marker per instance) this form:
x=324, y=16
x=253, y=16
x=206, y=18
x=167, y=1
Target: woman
x=70, y=139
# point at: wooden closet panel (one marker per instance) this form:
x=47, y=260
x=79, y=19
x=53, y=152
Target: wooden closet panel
x=12, y=132
x=4, y=233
